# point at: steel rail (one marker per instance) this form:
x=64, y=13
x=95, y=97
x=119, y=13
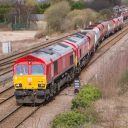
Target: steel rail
x=6, y=90
x=9, y=97
x=10, y=114
x=28, y=116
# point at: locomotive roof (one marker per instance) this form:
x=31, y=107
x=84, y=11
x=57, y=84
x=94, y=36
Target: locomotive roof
x=84, y=33
x=92, y=26
x=61, y=48
x=90, y=30
x=77, y=38
x=52, y=52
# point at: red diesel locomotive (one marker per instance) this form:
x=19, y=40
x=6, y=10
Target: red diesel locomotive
x=41, y=74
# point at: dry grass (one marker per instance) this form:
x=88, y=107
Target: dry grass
x=113, y=113
x=40, y=34
x=112, y=109
x=110, y=73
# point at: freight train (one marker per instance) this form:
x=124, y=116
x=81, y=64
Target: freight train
x=121, y=10
x=41, y=74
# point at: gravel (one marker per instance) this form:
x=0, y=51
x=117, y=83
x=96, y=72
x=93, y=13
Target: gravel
x=43, y=117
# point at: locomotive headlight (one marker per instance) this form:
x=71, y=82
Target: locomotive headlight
x=18, y=85
x=41, y=85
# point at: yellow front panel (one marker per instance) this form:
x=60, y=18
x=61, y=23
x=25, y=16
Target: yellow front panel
x=29, y=81
x=76, y=61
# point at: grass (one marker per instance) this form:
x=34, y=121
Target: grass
x=86, y=97
x=82, y=110
x=123, y=83
x=70, y=119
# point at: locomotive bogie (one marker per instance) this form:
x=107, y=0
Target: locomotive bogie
x=29, y=96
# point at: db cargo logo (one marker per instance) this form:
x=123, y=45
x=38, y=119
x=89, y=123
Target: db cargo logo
x=29, y=80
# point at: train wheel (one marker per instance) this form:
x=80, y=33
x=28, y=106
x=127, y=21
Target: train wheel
x=58, y=87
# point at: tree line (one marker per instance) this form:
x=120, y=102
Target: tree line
x=60, y=14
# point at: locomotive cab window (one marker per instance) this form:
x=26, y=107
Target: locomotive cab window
x=71, y=59
x=37, y=69
x=55, y=67
x=22, y=69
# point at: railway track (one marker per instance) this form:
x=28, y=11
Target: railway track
x=6, y=94
x=10, y=112
x=21, y=113
x=17, y=116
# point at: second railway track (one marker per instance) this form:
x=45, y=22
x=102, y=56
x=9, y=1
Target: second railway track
x=6, y=94
x=17, y=116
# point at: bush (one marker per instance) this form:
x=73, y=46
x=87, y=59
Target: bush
x=4, y=9
x=79, y=116
x=70, y=120
x=75, y=18
x=123, y=83
x=77, y=5
x=40, y=34
x=86, y=97
x=40, y=8
x=79, y=18
x=55, y=15
x=105, y=14
x=91, y=15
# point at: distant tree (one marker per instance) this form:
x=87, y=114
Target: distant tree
x=55, y=15
x=105, y=14
x=77, y=5
x=30, y=7
x=99, y=4
x=4, y=10
x=91, y=15
x=56, y=1
x=125, y=2
x=79, y=18
x=41, y=7
x=115, y=2
x=102, y=4
x=23, y=9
